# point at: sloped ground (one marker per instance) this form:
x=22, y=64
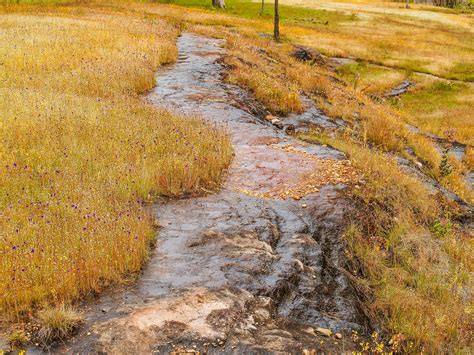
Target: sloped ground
x=242, y=270
x=267, y=249
x=81, y=153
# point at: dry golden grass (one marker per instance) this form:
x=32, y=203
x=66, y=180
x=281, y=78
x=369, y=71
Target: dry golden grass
x=17, y=338
x=417, y=264
x=58, y=323
x=415, y=261
x=469, y=159
x=267, y=85
x=414, y=39
x=81, y=153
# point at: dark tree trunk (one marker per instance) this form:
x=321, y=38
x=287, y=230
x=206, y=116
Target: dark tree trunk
x=276, y=26
x=218, y=3
x=261, y=9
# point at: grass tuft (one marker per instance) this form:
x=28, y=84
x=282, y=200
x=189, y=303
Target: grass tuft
x=17, y=338
x=57, y=323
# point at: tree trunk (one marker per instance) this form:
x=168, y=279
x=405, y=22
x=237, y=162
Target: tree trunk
x=276, y=26
x=218, y=3
x=261, y=9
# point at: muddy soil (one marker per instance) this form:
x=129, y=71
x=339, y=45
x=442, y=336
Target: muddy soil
x=255, y=268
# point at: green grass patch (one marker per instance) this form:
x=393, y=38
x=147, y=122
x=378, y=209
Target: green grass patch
x=462, y=71
x=439, y=107
x=288, y=14
x=373, y=78
x=441, y=94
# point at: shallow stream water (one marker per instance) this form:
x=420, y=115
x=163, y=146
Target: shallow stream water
x=253, y=268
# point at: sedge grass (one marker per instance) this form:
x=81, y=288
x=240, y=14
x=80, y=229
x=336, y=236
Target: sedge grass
x=416, y=263
x=81, y=153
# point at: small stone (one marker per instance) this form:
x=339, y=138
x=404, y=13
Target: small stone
x=324, y=331
x=418, y=164
x=338, y=336
x=89, y=333
x=277, y=123
x=299, y=265
x=262, y=314
x=304, y=205
x=265, y=301
x=309, y=330
x=290, y=129
x=270, y=118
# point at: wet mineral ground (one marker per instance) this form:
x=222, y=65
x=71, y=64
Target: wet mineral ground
x=257, y=267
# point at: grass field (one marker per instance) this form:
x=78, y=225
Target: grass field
x=434, y=105
x=413, y=261
x=413, y=39
x=81, y=152
x=410, y=257
x=398, y=41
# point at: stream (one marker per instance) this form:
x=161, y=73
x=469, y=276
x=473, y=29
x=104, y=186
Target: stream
x=254, y=268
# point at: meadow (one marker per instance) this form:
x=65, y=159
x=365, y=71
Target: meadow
x=83, y=155
x=389, y=44
x=411, y=260
x=85, y=173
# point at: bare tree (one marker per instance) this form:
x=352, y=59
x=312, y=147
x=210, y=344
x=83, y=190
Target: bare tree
x=218, y=3
x=261, y=9
x=276, y=25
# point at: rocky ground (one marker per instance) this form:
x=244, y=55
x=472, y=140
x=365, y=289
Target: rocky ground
x=255, y=268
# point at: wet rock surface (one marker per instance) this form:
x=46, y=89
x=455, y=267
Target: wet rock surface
x=312, y=118
x=251, y=269
x=399, y=89
x=306, y=54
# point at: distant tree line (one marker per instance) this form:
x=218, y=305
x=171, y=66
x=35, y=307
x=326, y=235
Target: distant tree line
x=442, y=3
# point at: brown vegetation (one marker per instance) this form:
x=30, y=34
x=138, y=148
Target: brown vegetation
x=407, y=251
x=82, y=153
